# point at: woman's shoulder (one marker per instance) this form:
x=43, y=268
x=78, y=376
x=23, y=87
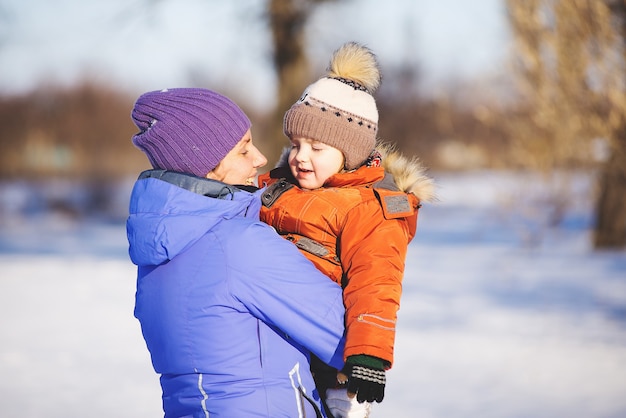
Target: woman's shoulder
x=241, y=231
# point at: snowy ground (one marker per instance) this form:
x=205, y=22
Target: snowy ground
x=506, y=312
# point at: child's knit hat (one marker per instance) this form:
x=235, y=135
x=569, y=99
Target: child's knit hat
x=189, y=130
x=339, y=109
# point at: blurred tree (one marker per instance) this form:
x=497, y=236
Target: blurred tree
x=571, y=72
x=611, y=206
x=79, y=132
x=288, y=20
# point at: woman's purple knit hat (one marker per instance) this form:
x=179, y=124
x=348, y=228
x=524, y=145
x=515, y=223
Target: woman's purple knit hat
x=189, y=130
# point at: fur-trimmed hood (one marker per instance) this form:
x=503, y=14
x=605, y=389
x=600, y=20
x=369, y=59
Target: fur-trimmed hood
x=409, y=173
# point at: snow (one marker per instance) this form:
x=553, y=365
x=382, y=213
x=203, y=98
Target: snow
x=506, y=311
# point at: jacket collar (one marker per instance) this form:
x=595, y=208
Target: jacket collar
x=198, y=185
x=362, y=176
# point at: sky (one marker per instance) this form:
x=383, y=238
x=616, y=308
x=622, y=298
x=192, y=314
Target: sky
x=503, y=314
x=145, y=45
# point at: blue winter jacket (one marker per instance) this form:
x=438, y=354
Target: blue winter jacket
x=228, y=309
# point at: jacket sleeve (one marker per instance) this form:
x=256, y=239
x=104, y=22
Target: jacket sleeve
x=373, y=250
x=281, y=287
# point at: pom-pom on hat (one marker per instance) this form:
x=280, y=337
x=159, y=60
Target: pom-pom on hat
x=339, y=109
x=189, y=130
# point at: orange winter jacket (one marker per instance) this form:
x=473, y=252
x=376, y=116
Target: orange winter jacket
x=356, y=230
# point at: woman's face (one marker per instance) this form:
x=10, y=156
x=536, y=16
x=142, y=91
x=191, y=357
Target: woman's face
x=312, y=162
x=240, y=164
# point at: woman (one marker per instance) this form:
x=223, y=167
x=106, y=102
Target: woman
x=229, y=310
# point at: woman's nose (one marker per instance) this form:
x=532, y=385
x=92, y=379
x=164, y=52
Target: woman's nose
x=259, y=160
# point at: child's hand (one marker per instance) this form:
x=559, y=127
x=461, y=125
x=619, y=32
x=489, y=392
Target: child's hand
x=365, y=377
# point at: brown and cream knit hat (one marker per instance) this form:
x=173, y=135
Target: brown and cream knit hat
x=339, y=109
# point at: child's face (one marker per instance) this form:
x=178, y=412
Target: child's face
x=312, y=162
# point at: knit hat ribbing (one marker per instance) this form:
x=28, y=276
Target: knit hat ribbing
x=339, y=109
x=189, y=130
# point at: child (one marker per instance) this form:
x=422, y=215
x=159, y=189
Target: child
x=352, y=210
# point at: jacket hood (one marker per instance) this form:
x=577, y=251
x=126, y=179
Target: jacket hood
x=170, y=211
x=409, y=174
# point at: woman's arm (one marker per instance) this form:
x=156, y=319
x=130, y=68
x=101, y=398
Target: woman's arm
x=281, y=287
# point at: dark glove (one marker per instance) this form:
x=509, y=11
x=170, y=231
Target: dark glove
x=366, y=378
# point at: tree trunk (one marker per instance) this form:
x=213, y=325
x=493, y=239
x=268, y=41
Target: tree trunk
x=287, y=20
x=610, y=229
